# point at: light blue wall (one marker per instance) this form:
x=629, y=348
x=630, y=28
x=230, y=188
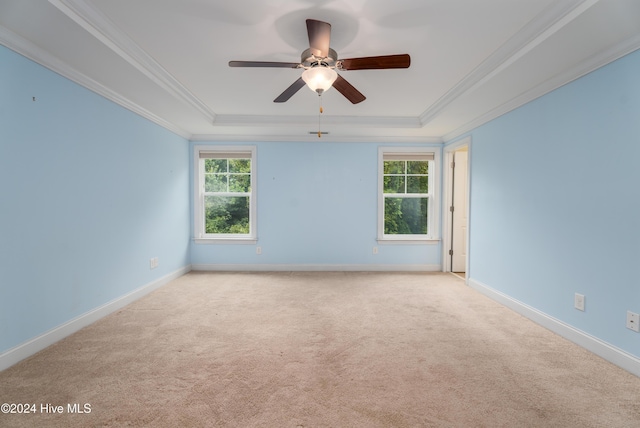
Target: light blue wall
x=317, y=205
x=89, y=192
x=555, y=202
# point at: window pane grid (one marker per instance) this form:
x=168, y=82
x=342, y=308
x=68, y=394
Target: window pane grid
x=406, y=197
x=409, y=177
x=227, y=176
x=226, y=195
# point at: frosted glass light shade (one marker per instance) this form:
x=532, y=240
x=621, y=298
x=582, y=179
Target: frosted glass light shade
x=319, y=78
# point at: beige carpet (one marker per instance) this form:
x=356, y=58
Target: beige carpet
x=320, y=350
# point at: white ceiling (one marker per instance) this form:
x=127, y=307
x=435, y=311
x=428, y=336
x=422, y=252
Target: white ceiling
x=471, y=60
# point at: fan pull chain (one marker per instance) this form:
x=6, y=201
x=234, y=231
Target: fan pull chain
x=319, y=115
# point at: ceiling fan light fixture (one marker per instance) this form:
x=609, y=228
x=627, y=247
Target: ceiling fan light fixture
x=319, y=78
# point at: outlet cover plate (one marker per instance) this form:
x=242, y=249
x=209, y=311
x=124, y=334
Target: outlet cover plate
x=633, y=321
x=578, y=302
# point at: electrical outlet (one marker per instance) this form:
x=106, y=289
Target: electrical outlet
x=153, y=263
x=578, y=302
x=633, y=321
x=375, y=250
x=258, y=250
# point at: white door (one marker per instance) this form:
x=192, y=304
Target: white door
x=459, y=232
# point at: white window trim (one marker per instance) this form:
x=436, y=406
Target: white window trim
x=434, y=203
x=199, y=236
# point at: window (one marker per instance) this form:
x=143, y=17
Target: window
x=225, y=193
x=407, y=205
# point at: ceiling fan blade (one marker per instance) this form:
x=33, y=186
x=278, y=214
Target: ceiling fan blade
x=319, y=37
x=288, y=93
x=376, y=62
x=347, y=89
x=263, y=64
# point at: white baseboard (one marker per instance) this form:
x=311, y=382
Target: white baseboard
x=315, y=268
x=609, y=352
x=26, y=349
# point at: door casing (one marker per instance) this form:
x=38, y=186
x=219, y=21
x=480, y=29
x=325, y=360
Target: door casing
x=447, y=222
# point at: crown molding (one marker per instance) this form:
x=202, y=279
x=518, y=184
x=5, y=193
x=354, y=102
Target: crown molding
x=31, y=51
x=311, y=122
x=591, y=64
x=531, y=35
x=281, y=138
x=359, y=121
x=103, y=29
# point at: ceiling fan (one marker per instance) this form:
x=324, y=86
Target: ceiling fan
x=320, y=63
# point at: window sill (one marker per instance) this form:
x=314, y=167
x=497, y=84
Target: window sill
x=408, y=241
x=225, y=241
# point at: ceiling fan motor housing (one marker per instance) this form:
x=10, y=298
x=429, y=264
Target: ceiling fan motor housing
x=309, y=60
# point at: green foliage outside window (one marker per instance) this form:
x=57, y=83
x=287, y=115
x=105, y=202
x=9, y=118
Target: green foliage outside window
x=224, y=214
x=405, y=187
x=405, y=216
x=227, y=200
